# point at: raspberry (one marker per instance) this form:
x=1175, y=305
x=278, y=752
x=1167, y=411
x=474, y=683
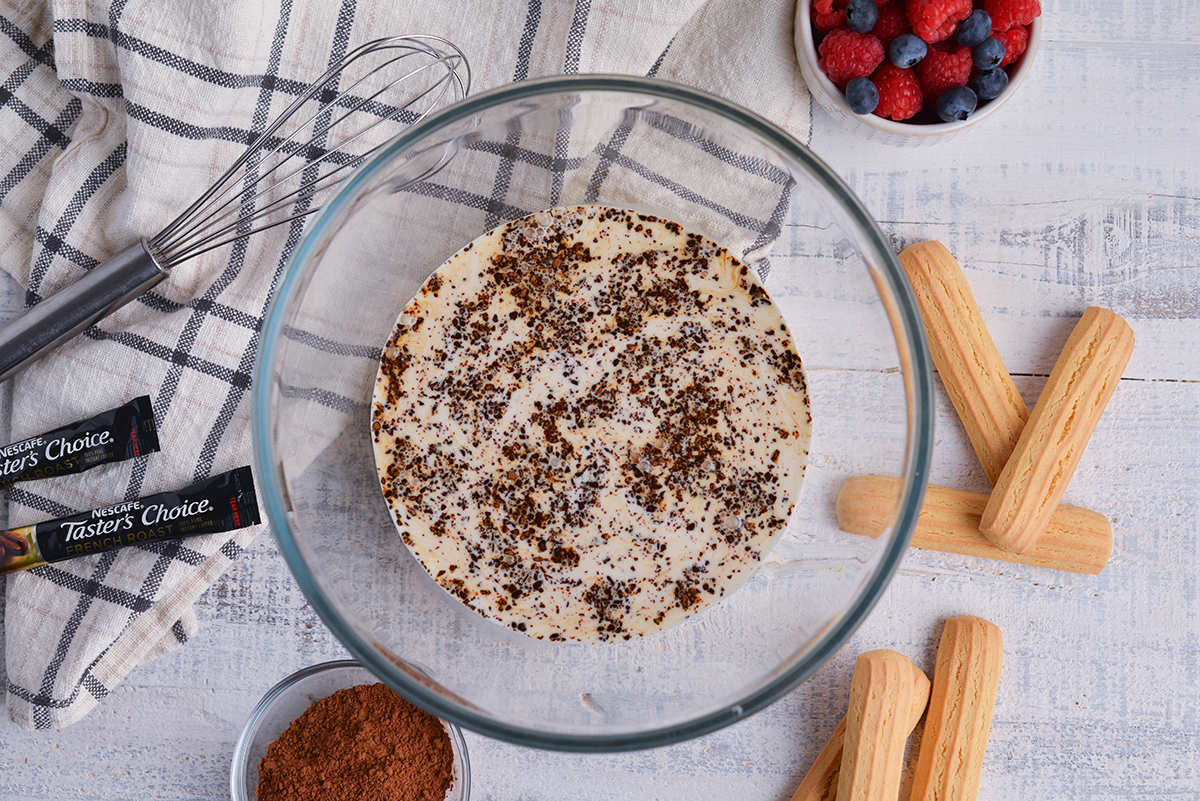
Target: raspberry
x=1015, y=41
x=943, y=67
x=846, y=54
x=1008, y=14
x=935, y=20
x=822, y=6
x=899, y=92
x=892, y=22
x=829, y=22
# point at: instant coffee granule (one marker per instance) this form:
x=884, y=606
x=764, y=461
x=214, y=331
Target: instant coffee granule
x=361, y=742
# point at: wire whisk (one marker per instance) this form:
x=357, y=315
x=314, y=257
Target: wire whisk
x=333, y=125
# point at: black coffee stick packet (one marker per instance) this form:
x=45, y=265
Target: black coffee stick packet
x=219, y=503
x=113, y=436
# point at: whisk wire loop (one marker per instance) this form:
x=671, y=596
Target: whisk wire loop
x=311, y=153
x=229, y=210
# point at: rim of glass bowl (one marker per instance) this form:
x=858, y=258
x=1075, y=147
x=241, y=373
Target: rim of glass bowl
x=238, y=778
x=919, y=380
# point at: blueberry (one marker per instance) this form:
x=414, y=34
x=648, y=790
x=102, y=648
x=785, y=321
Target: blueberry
x=861, y=15
x=974, y=29
x=989, y=84
x=988, y=53
x=862, y=95
x=906, y=50
x=956, y=103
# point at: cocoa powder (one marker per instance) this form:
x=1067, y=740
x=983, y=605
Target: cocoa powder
x=360, y=742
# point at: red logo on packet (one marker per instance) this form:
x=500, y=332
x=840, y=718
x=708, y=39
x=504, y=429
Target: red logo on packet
x=137, y=450
x=237, y=518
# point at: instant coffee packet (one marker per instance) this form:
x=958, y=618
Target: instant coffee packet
x=223, y=502
x=113, y=436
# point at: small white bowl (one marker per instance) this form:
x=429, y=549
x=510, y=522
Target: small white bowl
x=881, y=129
x=288, y=700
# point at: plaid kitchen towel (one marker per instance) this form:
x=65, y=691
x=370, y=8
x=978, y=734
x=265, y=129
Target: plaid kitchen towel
x=114, y=116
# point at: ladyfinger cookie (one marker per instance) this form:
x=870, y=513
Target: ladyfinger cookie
x=888, y=693
x=1077, y=540
x=965, y=680
x=1053, y=440
x=821, y=781
x=979, y=385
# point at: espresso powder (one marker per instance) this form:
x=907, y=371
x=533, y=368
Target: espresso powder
x=360, y=742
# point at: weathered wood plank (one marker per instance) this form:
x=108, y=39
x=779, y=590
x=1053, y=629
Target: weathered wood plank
x=1084, y=191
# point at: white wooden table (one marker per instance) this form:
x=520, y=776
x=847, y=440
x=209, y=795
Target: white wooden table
x=1086, y=190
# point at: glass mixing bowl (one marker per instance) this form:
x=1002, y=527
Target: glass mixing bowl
x=621, y=141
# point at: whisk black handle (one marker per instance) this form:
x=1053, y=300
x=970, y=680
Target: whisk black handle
x=106, y=287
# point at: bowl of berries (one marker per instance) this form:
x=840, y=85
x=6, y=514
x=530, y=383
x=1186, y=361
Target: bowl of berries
x=915, y=72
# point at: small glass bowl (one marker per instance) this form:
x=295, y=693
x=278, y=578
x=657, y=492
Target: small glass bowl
x=288, y=700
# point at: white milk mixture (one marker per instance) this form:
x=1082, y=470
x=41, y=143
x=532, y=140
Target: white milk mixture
x=590, y=424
